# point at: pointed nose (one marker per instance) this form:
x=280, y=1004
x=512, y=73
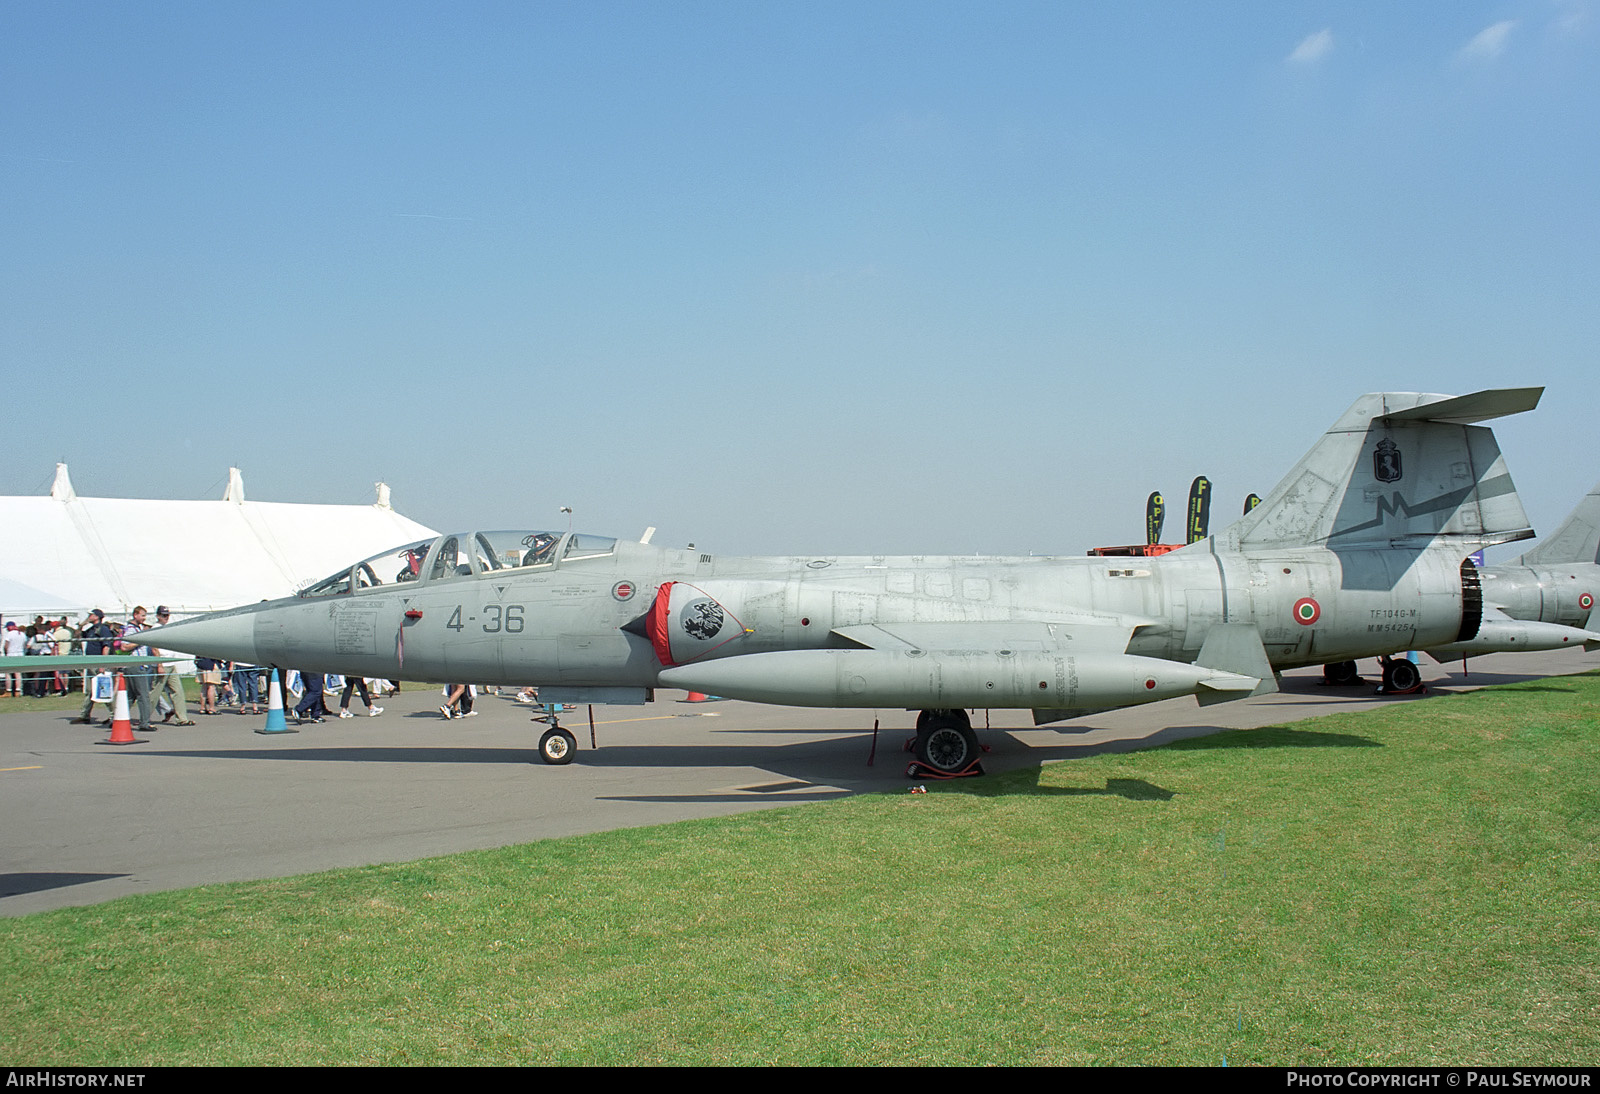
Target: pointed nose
x=226, y=636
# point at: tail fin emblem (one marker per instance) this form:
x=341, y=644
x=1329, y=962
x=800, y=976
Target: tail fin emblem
x=1386, y=461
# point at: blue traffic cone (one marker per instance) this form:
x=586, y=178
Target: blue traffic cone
x=275, y=719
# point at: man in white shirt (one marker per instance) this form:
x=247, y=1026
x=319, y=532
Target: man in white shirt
x=16, y=646
x=137, y=676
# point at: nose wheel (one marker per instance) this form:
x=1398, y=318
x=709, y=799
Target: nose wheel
x=557, y=746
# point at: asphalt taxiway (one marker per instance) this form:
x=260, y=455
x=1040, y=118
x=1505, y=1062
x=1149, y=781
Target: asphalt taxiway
x=85, y=822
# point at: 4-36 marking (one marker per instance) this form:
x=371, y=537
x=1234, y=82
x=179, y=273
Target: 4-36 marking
x=507, y=619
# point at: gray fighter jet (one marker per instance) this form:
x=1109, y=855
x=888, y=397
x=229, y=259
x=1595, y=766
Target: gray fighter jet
x=1361, y=550
x=1545, y=599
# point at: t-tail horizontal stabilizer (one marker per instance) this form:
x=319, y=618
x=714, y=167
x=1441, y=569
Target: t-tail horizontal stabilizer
x=1398, y=469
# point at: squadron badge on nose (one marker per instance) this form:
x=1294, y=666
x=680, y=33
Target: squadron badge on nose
x=702, y=619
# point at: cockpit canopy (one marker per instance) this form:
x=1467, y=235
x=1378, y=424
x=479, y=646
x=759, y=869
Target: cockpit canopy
x=463, y=554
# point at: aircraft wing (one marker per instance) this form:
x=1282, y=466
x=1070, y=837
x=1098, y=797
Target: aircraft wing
x=1100, y=635
x=47, y=663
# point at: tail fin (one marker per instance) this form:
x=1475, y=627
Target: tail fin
x=1398, y=469
x=1577, y=540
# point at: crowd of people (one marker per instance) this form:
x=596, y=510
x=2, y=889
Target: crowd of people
x=158, y=686
x=155, y=689
x=49, y=638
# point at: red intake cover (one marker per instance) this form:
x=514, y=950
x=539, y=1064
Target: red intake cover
x=685, y=623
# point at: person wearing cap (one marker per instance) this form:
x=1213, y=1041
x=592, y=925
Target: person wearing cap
x=137, y=676
x=96, y=642
x=96, y=634
x=169, y=680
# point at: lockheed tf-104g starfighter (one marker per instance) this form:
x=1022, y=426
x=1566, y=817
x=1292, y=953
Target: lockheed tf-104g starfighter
x=1359, y=551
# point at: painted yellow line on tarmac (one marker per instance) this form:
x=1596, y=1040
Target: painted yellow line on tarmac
x=35, y=767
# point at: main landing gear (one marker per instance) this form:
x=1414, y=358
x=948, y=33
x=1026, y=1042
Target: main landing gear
x=1341, y=674
x=946, y=747
x=1400, y=676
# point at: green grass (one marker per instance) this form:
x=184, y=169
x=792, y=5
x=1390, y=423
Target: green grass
x=1411, y=886
x=73, y=701
x=28, y=704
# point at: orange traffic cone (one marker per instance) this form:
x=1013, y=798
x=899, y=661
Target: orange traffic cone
x=121, y=727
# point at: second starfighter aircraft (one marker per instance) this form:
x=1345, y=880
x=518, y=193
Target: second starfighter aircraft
x=1543, y=600
x=1359, y=551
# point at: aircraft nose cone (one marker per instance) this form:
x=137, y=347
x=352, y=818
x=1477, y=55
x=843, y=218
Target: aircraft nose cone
x=226, y=637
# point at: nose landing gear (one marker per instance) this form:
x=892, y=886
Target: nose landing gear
x=557, y=746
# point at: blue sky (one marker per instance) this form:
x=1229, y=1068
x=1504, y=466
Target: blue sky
x=778, y=278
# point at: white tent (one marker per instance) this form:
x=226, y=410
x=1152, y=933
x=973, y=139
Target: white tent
x=193, y=556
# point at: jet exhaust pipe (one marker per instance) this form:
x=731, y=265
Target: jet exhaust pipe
x=930, y=679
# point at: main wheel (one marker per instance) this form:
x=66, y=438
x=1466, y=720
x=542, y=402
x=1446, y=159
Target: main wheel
x=557, y=746
x=1341, y=673
x=1400, y=676
x=947, y=746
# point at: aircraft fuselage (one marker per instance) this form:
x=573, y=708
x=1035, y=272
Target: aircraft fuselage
x=1357, y=552
x=565, y=625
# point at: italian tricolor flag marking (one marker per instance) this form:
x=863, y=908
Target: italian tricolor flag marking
x=1307, y=611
